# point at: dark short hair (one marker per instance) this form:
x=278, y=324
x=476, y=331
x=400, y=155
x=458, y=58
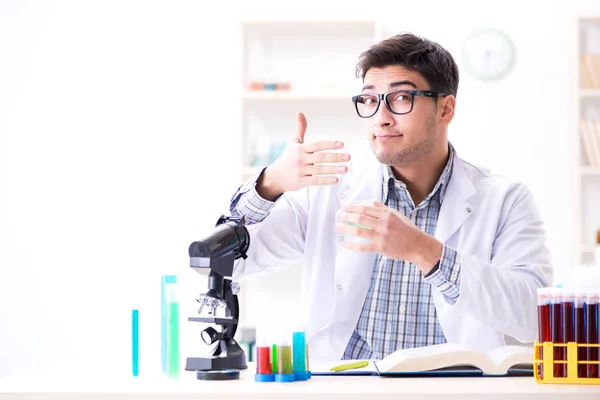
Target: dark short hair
x=415, y=53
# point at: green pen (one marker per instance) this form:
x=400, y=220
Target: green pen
x=353, y=365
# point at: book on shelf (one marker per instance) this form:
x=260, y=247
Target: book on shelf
x=590, y=71
x=590, y=139
x=442, y=359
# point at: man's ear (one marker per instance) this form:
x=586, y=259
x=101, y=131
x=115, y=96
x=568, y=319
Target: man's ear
x=447, y=109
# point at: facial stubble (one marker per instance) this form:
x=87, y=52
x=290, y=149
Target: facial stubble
x=414, y=153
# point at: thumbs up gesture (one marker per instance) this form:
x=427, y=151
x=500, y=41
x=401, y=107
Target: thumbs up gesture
x=302, y=164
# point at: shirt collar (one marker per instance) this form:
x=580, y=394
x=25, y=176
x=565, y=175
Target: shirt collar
x=390, y=181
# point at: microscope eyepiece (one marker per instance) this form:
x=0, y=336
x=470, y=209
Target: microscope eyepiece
x=229, y=241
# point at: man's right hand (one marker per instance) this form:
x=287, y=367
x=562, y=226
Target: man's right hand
x=302, y=164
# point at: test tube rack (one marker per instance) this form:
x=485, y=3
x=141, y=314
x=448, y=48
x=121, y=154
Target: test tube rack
x=544, y=364
x=281, y=362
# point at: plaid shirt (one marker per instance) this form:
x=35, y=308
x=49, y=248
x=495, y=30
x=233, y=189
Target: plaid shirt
x=399, y=311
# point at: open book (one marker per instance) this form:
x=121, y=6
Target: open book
x=442, y=359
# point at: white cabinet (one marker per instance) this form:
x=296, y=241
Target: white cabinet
x=586, y=155
x=291, y=67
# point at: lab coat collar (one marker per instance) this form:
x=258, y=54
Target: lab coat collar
x=389, y=180
x=456, y=207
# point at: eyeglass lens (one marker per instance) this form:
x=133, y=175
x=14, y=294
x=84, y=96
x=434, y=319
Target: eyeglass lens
x=400, y=102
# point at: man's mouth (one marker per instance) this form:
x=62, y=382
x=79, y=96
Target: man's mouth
x=387, y=137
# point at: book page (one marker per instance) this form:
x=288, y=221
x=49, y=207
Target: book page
x=435, y=357
x=507, y=357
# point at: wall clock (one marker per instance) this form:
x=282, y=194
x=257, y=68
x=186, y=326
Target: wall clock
x=488, y=54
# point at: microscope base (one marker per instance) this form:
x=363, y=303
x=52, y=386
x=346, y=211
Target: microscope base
x=235, y=359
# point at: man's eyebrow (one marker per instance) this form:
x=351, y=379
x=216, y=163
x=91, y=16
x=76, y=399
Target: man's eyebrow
x=393, y=84
x=401, y=83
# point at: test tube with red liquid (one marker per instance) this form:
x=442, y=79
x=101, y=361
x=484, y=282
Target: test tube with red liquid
x=264, y=368
x=591, y=331
x=580, y=334
x=544, y=333
x=556, y=310
x=568, y=335
x=598, y=328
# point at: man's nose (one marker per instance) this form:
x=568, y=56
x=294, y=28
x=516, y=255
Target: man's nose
x=383, y=117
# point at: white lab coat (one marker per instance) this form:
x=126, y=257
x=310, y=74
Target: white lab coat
x=492, y=223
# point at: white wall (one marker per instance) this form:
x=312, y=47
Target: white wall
x=115, y=153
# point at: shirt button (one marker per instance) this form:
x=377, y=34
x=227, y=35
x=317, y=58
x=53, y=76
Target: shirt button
x=342, y=195
x=453, y=277
x=398, y=185
x=341, y=238
x=402, y=308
x=339, y=287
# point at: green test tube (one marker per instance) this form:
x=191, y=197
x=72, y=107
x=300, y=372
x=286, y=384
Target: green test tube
x=284, y=360
x=164, y=280
x=172, y=330
x=283, y=367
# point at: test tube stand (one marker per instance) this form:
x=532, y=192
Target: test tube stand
x=546, y=366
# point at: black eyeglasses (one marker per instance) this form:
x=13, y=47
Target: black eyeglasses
x=399, y=102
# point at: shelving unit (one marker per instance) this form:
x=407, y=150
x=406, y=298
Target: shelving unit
x=590, y=171
x=590, y=92
x=309, y=67
x=275, y=95
x=586, y=167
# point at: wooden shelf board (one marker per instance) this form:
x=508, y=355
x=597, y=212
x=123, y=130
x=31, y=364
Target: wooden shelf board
x=285, y=95
x=313, y=27
x=590, y=171
x=587, y=249
x=590, y=93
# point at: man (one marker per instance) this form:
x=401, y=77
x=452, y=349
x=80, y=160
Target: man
x=455, y=253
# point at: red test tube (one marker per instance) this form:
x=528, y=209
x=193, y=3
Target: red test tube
x=591, y=331
x=544, y=333
x=560, y=370
x=264, y=368
x=579, y=323
x=567, y=325
x=598, y=328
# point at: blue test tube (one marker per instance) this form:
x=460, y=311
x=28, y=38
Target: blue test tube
x=301, y=372
x=135, y=342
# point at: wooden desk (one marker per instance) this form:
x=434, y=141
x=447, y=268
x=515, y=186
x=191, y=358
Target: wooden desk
x=79, y=385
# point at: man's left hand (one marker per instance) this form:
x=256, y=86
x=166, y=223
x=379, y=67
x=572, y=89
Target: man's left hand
x=392, y=234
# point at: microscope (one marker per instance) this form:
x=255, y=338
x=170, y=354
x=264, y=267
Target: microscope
x=215, y=256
